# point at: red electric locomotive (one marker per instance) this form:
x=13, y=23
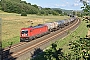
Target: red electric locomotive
x=30, y=33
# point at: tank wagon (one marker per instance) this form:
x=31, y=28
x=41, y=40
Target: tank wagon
x=50, y=26
x=30, y=33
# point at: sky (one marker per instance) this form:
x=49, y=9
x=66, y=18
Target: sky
x=63, y=4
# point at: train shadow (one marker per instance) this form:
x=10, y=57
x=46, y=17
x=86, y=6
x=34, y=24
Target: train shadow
x=39, y=54
x=36, y=53
x=6, y=55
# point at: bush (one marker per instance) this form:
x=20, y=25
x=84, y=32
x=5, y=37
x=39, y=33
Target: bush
x=23, y=14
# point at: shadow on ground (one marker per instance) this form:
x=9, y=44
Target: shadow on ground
x=6, y=55
x=48, y=54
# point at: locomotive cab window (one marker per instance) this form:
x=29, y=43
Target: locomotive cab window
x=24, y=32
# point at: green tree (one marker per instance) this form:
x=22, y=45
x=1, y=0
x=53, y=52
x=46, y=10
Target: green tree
x=59, y=11
x=74, y=13
x=80, y=49
x=35, y=6
x=86, y=7
x=23, y=14
x=54, y=53
x=18, y=7
x=29, y=3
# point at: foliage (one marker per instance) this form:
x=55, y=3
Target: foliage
x=74, y=13
x=19, y=6
x=79, y=14
x=86, y=7
x=80, y=49
x=59, y=11
x=35, y=6
x=23, y=14
x=51, y=54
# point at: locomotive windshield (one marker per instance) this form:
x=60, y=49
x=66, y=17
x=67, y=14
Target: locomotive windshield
x=24, y=32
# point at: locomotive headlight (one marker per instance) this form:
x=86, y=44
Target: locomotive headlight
x=26, y=34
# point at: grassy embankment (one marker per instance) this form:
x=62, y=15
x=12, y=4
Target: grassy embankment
x=80, y=32
x=12, y=23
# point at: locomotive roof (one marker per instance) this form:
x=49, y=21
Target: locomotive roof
x=38, y=26
x=32, y=27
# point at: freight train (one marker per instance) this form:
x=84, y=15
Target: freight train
x=33, y=32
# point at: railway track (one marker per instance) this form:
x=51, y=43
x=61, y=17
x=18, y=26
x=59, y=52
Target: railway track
x=25, y=47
